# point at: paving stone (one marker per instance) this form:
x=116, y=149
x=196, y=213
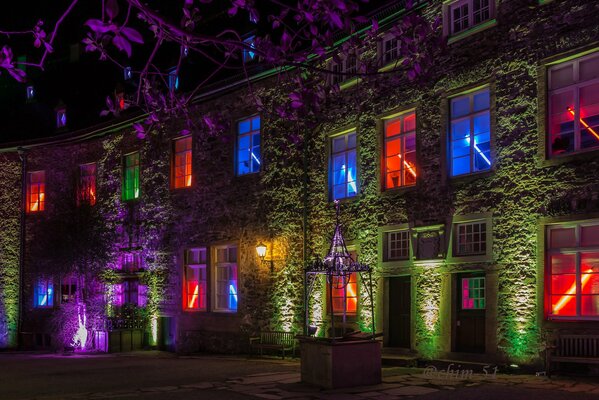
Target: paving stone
x=410, y=391
x=369, y=394
x=268, y=378
x=580, y=387
x=268, y=396
x=201, y=385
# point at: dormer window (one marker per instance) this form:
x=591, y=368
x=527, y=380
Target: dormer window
x=389, y=50
x=61, y=118
x=173, y=80
x=345, y=69
x=127, y=73
x=30, y=91
x=248, y=54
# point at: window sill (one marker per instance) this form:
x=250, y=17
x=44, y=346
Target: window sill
x=349, y=83
x=480, y=258
x=389, y=264
x=467, y=178
x=472, y=31
x=398, y=191
x=573, y=319
x=391, y=65
x=344, y=200
x=581, y=155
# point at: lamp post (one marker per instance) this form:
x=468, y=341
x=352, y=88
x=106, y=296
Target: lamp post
x=261, y=250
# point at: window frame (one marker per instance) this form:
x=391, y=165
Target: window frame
x=229, y=265
x=487, y=256
x=49, y=291
x=87, y=185
x=136, y=178
x=402, y=136
x=346, y=152
x=481, y=242
x=250, y=133
x=196, y=266
x=187, y=178
x=387, y=245
x=343, y=77
x=448, y=17
x=353, y=280
x=575, y=251
x=470, y=93
x=70, y=282
x=41, y=192
x=574, y=88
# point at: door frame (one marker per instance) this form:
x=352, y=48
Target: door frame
x=387, y=310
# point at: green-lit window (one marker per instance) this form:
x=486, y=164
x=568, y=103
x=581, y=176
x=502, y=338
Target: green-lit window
x=473, y=293
x=131, y=176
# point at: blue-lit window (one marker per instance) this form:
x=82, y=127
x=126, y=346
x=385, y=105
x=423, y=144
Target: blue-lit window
x=343, y=166
x=248, y=146
x=248, y=54
x=61, y=118
x=173, y=80
x=470, y=133
x=43, y=293
x=226, y=293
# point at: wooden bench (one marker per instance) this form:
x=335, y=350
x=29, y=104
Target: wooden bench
x=273, y=340
x=583, y=349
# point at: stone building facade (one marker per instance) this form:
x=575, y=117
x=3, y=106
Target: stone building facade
x=473, y=195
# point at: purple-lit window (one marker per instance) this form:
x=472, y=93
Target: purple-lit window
x=131, y=262
x=225, y=279
x=36, y=191
x=43, y=293
x=68, y=289
x=574, y=106
x=87, y=184
x=464, y=14
x=572, y=270
x=473, y=293
x=129, y=292
x=195, y=282
x=61, y=118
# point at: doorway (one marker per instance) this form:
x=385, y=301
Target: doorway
x=470, y=313
x=400, y=311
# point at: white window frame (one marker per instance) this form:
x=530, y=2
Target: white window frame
x=388, y=241
x=226, y=265
x=344, y=67
x=347, y=150
x=483, y=238
x=449, y=19
x=487, y=256
x=191, y=264
x=575, y=87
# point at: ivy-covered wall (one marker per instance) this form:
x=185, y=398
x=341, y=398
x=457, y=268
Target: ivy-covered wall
x=10, y=200
x=289, y=197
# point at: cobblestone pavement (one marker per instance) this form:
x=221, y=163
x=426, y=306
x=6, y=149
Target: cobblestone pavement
x=398, y=383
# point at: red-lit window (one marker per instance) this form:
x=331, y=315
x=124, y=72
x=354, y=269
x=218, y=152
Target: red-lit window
x=345, y=294
x=574, y=106
x=36, y=191
x=572, y=283
x=182, y=163
x=473, y=293
x=87, y=183
x=400, y=151
x=194, y=282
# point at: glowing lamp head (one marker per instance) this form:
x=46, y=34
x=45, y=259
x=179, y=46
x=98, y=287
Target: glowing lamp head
x=261, y=250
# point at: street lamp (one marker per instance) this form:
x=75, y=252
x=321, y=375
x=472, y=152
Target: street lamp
x=261, y=249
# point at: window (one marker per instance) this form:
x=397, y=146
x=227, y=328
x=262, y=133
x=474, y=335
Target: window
x=130, y=292
x=30, y=91
x=473, y=293
x=344, y=69
x=470, y=133
x=131, y=176
x=573, y=271
x=127, y=73
x=195, y=282
x=343, y=166
x=249, y=55
x=61, y=118
x=389, y=49
x=397, y=245
x=44, y=293
x=574, y=106
x=36, y=191
x=464, y=14
x=471, y=238
x=173, y=80
x=182, y=163
x=400, y=151
x=248, y=146
x=68, y=289
x=87, y=183
x=345, y=294
x=225, y=279
x=131, y=262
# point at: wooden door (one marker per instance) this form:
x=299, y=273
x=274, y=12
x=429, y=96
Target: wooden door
x=400, y=315
x=470, y=313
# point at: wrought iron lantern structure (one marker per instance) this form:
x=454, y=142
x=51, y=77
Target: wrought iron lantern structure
x=338, y=264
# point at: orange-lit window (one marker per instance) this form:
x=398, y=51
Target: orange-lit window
x=87, y=183
x=572, y=284
x=345, y=294
x=573, y=115
x=36, y=191
x=194, y=282
x=400, y=151
x=182, y=163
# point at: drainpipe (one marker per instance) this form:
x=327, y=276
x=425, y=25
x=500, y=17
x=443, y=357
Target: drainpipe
x=305, y=228
x=23, y=156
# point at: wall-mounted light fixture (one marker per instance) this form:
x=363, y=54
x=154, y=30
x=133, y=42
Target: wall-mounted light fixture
x=261, y=250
